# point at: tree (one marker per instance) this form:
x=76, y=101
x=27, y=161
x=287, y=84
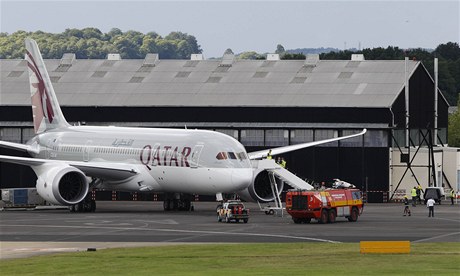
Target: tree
x=228, y=52
x=454, y=128
x=279, y=49
x=250, y=55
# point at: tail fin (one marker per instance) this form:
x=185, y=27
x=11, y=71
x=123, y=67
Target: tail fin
x=45, y=107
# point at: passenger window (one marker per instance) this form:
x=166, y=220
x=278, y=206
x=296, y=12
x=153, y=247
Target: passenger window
x=232, y=155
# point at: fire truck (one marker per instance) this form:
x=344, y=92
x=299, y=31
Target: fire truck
x=324, y=206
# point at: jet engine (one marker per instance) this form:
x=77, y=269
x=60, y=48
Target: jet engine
x=261, y=189
x=63, y=185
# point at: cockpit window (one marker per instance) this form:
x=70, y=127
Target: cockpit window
x=231, y=155
x=221, y=156
x=242, y=156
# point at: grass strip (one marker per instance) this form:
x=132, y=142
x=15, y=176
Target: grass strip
x=243, y=259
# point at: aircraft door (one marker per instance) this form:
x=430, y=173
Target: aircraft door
x=86, y=151
x=196, y=156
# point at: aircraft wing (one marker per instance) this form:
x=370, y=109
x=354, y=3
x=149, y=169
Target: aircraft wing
x=103, y=170
x=17, y=146
x=281, y=150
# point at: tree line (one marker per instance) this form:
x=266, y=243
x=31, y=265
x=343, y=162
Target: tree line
x=91, y=43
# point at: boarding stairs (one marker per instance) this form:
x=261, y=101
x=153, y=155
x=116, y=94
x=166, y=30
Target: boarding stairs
x=276, y=171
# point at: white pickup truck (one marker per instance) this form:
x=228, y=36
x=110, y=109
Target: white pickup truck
x=232, y=211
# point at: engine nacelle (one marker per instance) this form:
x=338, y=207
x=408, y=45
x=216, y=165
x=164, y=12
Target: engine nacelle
x=63, y=185
x=260, y=189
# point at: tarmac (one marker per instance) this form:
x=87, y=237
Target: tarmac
x=25, y=232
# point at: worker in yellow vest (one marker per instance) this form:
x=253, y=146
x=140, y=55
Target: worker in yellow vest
x=283, y=163
x=269, y=155
x=413, y=194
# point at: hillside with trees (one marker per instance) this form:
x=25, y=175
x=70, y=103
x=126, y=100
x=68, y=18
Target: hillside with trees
x=91, y=43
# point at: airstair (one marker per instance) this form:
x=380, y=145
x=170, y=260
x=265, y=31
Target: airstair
x=276, y=171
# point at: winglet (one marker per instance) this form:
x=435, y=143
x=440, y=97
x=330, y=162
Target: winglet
x=45, y=107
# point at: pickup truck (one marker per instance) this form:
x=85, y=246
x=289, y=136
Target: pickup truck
x=232, y=211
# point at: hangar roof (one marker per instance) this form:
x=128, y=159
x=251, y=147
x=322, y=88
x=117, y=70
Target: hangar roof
x=287, y=83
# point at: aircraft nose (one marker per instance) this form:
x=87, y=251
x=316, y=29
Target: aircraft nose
x=241, y=178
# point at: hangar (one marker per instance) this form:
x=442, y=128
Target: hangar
x=262, y=103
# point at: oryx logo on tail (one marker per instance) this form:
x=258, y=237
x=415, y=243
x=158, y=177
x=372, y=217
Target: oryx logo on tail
x=41, y=102
x=45, y=108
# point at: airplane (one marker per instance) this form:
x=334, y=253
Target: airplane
x=70, y=161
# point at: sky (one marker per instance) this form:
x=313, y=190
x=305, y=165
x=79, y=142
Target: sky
x=251, y=25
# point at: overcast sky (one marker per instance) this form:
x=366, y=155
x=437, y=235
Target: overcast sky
x=251, y=25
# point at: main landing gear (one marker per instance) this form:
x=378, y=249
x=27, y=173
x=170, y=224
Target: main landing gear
x=178, y=202
x=86, y=205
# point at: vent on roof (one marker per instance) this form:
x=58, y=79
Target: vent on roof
x=136, y=79
x=311, y=60
x=68, y=58
x=357, y=57
x=197, y=57
x=99, y=74
x=345, y=75
x=273, y=57
x=15, y=74
x=260, y=75
x=151, y=60
x=227, y=60
x=113, y=57
x=191, y=63
x=182, y=74
x=299, y=80
x=214, y=79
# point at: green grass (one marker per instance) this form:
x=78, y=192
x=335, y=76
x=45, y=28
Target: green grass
x=244, y=259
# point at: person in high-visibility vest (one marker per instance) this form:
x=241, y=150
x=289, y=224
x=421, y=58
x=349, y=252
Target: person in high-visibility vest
x=283, y=163
x=413, y=194
x=452, y=196
x=269, y=155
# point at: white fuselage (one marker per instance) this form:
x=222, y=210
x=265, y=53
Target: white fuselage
x=166, y=160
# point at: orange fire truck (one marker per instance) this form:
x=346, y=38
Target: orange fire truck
x=324, y=206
